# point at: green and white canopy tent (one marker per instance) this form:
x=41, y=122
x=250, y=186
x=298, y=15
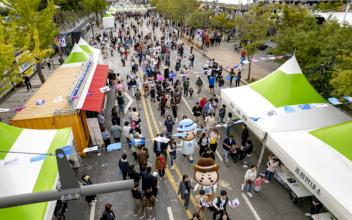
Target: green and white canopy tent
x=19, y=175
x=89, y=50
x=76, y=57
x=322, y=160
x=282, y=101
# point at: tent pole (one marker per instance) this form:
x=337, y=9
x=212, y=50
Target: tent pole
x=262, y=151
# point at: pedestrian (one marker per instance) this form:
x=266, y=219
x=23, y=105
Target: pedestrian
x=221, y=81
x=27, y=82
x=61, y=60
x=160, y=164
x=222, y=113
x=48, y=62
x=211, y=81
x=133, y=174
x=186, y=87
x=228, y=144
x=124, y=165
x=210, y=121
x=203, y=101
x=197, y=111
x=238, y=79
x=142, y=156
x=149, y=201
x=258, y=183
x=191, y=92
x=191, y=60
x=158, y=146
x=249, y=178
x=87, y=181
x=120, y=101
x=247, y=152
x=106, y=136
x=200, y=204
x=214, y=138
x=232, y=75
x=244, y=134
x=126, y=129
x=169, y=124
x=138, y=201
x=162, y=108
x=271, y=166
x=171, y=149
x=116, y=131
x=174, y=104
x=146, y=178
x=220, y=204
x=203, y=143
x=108, y=213
x=184, y=189
x=199, y=84
x=152, y=94
x=138, y=96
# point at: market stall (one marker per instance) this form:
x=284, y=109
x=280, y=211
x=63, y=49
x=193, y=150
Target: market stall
x=108, y=21
x=282, y=101
x=29, y=171
x=322, y=160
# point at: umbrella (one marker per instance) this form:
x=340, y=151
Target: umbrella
x=162, y=139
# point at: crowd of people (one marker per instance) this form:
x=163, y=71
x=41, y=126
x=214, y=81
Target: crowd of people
x=152, y=77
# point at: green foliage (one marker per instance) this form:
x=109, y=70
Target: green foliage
x=94, y=6
x=342, y=75
x=222, y=22
x=68, y=5
x=199, y=19
x=331, y=6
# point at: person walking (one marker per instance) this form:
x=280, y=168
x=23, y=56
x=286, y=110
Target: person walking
x=120, y=102
x=174, y=104
x=171, y=149
x=106, y=136
x=138, y=96
x=138, y=201
x=258, y=183
x=149, y=202
x=222, y=113
x=87, y=181
x=108, y=213
x=116, y=131
x=27, y=82
x=184, y=189
x=232, y=75
x=199, y=84
x=169, y=125
x=272, y=164
x=220, y=204
x=186, y=87
x=200, y=204
x=228, y=144
x=124, y=165
x=160, y=164
x=249, y=178
x=203, y=143
x=133, y=174
x=197, y=111
x=210, y=121
x=211, y=82
x=191, y=60
x=142, y=156
x=238, y=79
x=214, y=138
x=244, y=134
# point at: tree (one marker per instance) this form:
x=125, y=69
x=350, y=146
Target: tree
x=36, y=26
x=253, y=28
x=222, y=22
x=199, y=19
x=342, y=76
x=94, y=6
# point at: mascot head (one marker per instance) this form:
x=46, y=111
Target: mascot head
x=206, y=171
x=188, y=129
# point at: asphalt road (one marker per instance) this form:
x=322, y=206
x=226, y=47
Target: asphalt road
x=272, y=203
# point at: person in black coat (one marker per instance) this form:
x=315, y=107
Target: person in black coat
x=147, y=179
x=86, y=181
x=124, y=165
x=133, y=174
x=244, y=135
x=160, y=147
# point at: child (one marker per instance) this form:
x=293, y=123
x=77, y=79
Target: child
x=190, y=92
x=258, y=183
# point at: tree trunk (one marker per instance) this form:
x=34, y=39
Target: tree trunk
x=249, y=68
x=40, y=73
x=91, y=23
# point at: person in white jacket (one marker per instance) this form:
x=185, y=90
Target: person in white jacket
x=249, y=179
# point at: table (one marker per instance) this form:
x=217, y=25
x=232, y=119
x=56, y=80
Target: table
x=297, y=189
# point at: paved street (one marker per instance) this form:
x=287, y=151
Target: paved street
x=272, y=203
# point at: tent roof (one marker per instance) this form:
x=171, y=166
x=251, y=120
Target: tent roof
x=338, y=137
x=26, y=176
x=77, y=55
x=287, y=86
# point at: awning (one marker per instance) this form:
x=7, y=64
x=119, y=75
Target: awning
x=95, y=98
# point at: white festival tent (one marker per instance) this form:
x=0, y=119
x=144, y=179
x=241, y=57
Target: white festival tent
x=282, y=101
x=322, y=160
x=108, y=21
x=286, y=107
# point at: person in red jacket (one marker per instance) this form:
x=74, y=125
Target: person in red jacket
x=202, y=102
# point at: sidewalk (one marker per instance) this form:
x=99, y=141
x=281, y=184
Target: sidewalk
x=226, y=56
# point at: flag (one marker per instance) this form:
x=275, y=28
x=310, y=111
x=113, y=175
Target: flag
x=67, y=150
x=90, y=149
x=305, y=106
x=38, y=158
x=114, y=146
x=289, y=109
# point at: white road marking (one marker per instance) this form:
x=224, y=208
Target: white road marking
x=129, y=102
x=219, y=156
x=255, y=213
x=169, y=211
x=189, y=108
x=92, y=211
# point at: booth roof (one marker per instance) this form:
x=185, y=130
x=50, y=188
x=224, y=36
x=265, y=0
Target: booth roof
x=27, y=177
x=86, y=48
x=338, y=137
x=77, y=55
x=287, y=86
